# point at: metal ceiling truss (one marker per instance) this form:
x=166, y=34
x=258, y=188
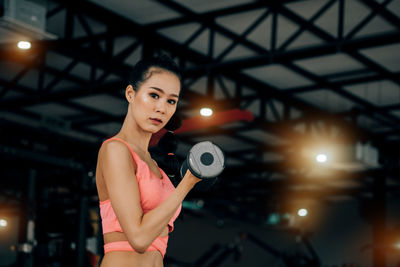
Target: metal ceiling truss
x=96, y=50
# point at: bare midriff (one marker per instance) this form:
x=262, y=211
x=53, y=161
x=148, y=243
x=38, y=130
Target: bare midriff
x=130, y=258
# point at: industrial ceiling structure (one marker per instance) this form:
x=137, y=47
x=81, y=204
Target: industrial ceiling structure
x=312, y=73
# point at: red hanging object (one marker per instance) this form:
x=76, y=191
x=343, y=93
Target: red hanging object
x=201, y=122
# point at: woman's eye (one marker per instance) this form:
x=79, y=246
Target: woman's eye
x=154, y=95
x=172, y=102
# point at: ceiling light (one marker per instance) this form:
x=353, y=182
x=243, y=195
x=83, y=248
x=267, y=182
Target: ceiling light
x=302, y=212
x=321, y=158
x=24, y=45
x=3, y=223
x=206, y=112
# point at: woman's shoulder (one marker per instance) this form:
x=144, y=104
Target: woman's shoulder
x=115, y=147
x=114, y=144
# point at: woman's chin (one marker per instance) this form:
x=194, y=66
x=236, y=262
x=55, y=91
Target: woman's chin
x=153, y=129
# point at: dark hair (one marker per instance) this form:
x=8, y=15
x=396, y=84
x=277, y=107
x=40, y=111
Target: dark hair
x=174, y=123
x=141, y=71
x=164, y=152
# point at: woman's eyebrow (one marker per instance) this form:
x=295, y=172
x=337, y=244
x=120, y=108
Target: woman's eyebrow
x=162, y=91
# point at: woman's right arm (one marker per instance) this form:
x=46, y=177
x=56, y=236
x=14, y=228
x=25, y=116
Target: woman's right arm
x=118, y=170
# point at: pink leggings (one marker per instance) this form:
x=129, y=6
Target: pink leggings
x=160, y=244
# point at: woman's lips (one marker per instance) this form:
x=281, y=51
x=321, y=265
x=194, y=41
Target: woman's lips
x=156, y=121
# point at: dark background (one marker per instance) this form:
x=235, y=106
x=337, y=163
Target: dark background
x=316, y=75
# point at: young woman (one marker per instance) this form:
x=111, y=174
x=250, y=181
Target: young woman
x=138, y=203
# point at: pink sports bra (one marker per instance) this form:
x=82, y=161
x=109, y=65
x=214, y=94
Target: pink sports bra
x=153, y=191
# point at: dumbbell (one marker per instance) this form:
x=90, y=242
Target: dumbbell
x=205, y=160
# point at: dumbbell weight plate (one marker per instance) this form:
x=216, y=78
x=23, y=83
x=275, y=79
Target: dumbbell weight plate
x=205, y=160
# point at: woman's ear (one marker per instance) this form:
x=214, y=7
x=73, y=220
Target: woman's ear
x=130, y=93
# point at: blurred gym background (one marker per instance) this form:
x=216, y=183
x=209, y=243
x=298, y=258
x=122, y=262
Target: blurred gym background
x=302, y=96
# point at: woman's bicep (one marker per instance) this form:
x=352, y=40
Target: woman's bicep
x=118, y=171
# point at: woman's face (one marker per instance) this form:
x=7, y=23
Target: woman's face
x=155, y=101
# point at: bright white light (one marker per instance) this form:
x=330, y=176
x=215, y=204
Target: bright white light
x=206, y=112
x=24, y=45
x=322, y=158
x=3, y=223
x=302, y=212
x=398, y=245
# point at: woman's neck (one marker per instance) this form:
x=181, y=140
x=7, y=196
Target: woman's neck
x=134, y=135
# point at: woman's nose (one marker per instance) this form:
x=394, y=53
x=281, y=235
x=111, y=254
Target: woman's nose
x=161, y=107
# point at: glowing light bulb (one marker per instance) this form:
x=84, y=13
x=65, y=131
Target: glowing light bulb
x=321, y=158
x=3, y=223
x=273, y=218
x=206, y=112
x=24, y=45
x=302, y=212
